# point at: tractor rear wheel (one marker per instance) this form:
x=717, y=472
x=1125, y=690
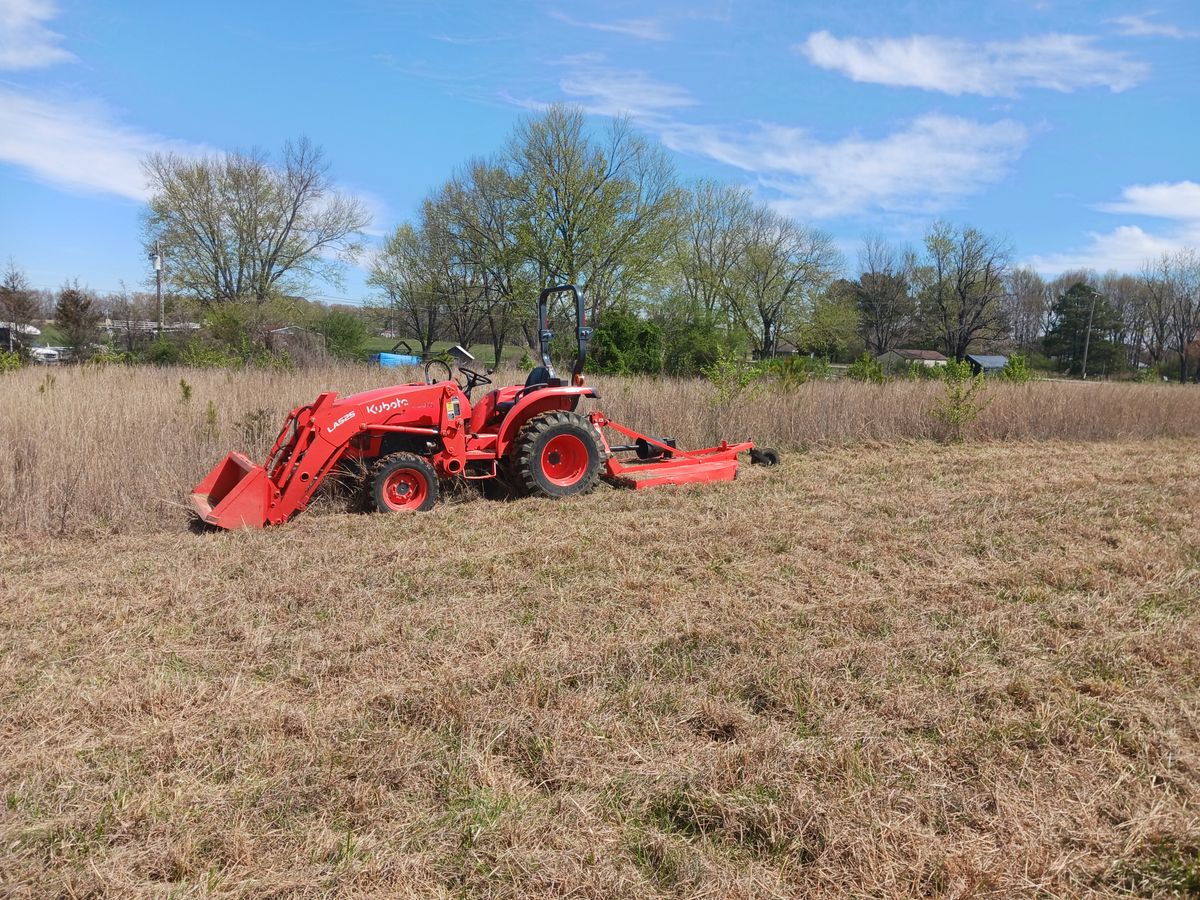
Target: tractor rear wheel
x=403, y=481
x=558, y=454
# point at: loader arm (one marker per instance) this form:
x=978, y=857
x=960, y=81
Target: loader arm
x=313, y=440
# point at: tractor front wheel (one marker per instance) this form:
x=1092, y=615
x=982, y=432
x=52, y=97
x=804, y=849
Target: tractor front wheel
x=403, y=481
x=558, y=455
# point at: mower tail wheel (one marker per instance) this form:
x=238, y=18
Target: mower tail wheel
x=765, y=456
x=558, y=455
x=403, y=481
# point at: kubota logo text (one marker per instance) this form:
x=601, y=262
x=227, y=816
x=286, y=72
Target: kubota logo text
x=340, y=422
x=376, y=408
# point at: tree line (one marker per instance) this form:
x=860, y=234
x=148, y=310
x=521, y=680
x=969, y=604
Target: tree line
x=693, y=270
x=676, y=274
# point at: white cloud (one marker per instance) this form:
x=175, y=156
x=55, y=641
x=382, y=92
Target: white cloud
x=1141, y=26
x=1166, y=200
x=1127, y=247
x=609, y=92
x=928, y=165
x=25, y=41
x=642, y=29
x=77, y=146
x=925, y=166
x=1060, y=62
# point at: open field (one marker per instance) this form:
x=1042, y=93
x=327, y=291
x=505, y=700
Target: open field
x=906, y=670
x=116, y=450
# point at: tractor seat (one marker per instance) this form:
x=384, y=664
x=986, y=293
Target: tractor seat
x=539, y=378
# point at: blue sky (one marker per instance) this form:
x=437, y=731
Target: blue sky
x=1070, y=128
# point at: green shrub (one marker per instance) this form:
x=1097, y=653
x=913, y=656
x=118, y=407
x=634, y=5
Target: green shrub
x=961, y=402
x=626, y=344
x=345, y=333
x=1151, y=375
x=1016, y=370
x=201, y=355
x=163, y=351
x=10, y=362
x=691, y=347
x=732, y=375
x=914, y=370
x=793, y=371
x=867, y=369
x=111, y=357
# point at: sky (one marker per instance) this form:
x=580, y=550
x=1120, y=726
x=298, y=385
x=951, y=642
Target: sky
x=1069, y=129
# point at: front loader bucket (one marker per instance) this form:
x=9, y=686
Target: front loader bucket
x=235, y=494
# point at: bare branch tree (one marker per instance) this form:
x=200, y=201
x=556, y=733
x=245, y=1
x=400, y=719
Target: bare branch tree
x=234, y=227
x=884, y=294
x=964, y=285
x=18, y=302
x=711, y=242
x=782, y=268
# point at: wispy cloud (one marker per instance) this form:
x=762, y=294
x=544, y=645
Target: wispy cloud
x=467, y=41
x=25, y=41
x=1059, y=62
x=77, y=146
x=1127, y=247
x=642, y=29
x=928, y=165
x=1179, y=200
x=1141, y=26
x=607, y=91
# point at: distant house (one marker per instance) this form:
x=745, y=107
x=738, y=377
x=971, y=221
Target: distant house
x=895, y=359
x=988, y=365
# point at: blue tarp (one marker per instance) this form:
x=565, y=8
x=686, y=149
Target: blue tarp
x=393, y=360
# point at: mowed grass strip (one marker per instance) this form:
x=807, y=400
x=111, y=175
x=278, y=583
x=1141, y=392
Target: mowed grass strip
x=904, y=671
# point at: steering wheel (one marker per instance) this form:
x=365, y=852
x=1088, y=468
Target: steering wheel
x=434, y=369
x=474, y=379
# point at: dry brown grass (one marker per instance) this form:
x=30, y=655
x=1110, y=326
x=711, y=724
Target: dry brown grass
x=117, y=450
x=900, y=671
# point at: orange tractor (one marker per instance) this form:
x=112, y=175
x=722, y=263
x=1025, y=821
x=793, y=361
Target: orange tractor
x=529, y=438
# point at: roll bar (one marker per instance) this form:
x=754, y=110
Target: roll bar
x=583, y=333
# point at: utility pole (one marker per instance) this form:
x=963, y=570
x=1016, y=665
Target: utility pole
x=1087, y=340
x=157, y=257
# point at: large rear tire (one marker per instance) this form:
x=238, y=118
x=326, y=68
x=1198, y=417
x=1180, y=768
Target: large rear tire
x=557, y=454
x=403, y=482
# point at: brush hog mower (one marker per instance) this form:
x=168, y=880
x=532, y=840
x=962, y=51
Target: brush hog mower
x=529, y=438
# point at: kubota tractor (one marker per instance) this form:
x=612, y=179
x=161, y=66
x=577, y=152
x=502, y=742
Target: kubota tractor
x=530, y=438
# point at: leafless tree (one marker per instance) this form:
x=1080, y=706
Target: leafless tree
x=964, y=275
x=711, y=243
x=481, y=211
x=18, y=302
x=884, y=293
x=1179, y=274
x=1027, y=305
x=407, y=273
x=235, y=227
x=782, y=268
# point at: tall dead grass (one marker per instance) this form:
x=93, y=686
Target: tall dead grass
x=117, y=449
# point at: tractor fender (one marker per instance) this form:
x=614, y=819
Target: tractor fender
x=546, y=399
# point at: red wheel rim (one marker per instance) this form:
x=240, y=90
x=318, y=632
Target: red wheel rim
x=404, y=489
x=564, y=460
